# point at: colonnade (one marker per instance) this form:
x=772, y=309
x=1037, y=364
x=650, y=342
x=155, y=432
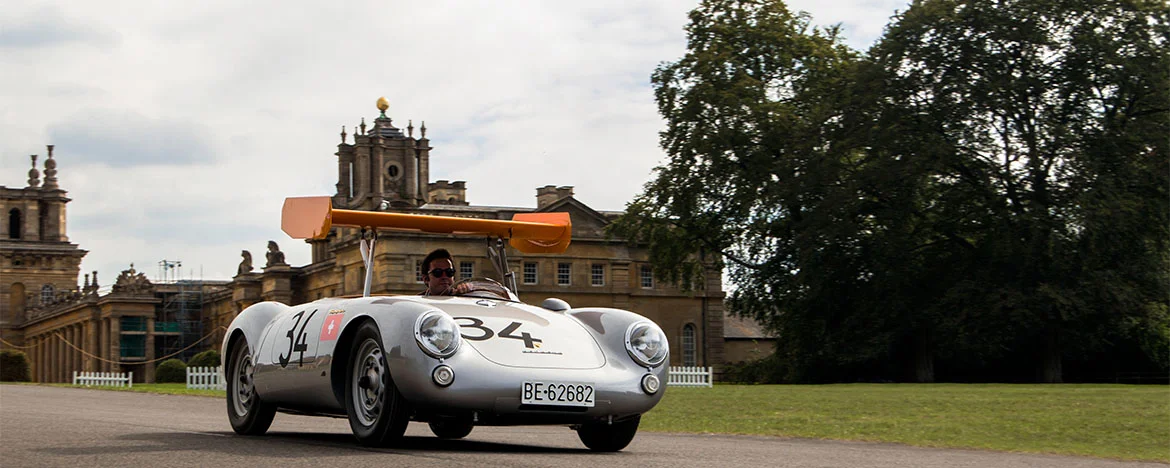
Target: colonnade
x=52, y=360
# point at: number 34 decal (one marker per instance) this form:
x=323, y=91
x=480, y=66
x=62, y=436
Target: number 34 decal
x=296, y=339
x=486, y=333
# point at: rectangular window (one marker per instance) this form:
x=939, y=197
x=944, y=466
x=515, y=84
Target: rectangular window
x=530, y=273
x=466, y=270
x=647, y=277
x=564, y=272
x=597, y=275
x=418, y=277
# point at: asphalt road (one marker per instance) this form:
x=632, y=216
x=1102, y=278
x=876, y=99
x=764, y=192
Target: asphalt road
x=53, y=426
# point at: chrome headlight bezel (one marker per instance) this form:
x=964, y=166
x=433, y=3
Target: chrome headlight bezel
x=425, y=340
x=638, y=330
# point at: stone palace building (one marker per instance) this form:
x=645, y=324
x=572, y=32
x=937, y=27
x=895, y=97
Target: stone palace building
x=134, y=323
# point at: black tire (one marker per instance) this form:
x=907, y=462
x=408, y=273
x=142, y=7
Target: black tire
x=248, y=414
x=450, y=429
x=603, y=437
x=378, y=413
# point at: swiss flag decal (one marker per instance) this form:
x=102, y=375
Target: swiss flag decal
x=332, y=327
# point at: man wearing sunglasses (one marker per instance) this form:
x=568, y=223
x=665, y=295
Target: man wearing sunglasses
x=438, y=270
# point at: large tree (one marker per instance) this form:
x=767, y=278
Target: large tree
x=991, y=175
x=1045, y=123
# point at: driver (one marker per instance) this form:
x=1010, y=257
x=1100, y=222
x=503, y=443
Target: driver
x=438, y=271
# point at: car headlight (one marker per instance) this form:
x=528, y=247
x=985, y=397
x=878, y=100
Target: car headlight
x=437, y=334
x=646, y=344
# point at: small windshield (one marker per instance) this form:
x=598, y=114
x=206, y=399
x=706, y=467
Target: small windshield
x=483, y=287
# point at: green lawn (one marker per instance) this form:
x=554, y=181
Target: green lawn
x=1128, y=422
x=164, y=388
x=1113, y=421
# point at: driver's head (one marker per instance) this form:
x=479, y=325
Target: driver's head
x=438, y=272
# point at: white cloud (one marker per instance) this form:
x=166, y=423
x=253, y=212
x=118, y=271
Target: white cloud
x=180, y=127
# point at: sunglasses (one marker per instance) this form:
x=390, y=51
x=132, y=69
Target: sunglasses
x=438, y=272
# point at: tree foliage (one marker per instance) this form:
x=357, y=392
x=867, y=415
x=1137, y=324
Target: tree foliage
x=13, y=366
x=171, y=371
x=989, y=181
x=209, y=358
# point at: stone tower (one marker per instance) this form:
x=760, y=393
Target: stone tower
x=383, y=168
x=37, y=262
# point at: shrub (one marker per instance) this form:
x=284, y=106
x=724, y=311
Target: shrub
x=171, y=371
x=209, y=358
x=767, y=370
x=13, y=366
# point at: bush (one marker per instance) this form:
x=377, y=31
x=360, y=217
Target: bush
x=171, y=371
x=768, y=370
x=209, y=358
x=13, y=366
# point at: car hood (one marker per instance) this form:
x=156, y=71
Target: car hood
x=520, y=335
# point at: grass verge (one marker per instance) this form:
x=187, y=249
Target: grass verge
x=163, y=389
x=1126, y=422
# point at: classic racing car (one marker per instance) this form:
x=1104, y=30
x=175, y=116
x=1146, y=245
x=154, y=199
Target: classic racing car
x=478, y=357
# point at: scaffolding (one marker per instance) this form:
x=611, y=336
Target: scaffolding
x=178, y=320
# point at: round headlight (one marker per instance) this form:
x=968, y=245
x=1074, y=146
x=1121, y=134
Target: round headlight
x=646, y=344
x=437, y=334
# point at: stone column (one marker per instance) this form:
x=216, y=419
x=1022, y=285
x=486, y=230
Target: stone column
x=115, y=343
x=148, y=369
x=43, y=359
x=46, y=354
x=58, y=354
x=91, y=362
x=71, y=349
x=104, y=344
x=41, y=349
x=73, y=352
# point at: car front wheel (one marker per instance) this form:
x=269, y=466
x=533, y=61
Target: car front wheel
x=248, y=414
x=604, y=437
x=377, y=411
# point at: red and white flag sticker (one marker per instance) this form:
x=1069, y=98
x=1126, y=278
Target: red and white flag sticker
x=332, y=327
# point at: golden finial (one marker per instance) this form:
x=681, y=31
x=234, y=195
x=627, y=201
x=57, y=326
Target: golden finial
x=383, y=104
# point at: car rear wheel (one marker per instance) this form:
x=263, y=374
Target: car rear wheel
x=604, y=437
x=377, y=411
x=248, y=414
x=450, y=429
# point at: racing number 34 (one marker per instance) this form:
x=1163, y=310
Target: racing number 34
x=296, y=340
x=486, y=333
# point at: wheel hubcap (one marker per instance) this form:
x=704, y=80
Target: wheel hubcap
x=368, y=391
x=244, y=388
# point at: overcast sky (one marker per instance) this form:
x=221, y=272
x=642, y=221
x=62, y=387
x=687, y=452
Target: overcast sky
x=180, y=127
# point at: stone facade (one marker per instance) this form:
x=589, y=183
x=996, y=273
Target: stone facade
x=384, y=169
x=137, y=323
x=38, y=265
x=63, y=327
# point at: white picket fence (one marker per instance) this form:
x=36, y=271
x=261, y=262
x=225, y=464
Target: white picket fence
x=211, y=378
x=689, y=376
x=103, y=379
x=205, y=378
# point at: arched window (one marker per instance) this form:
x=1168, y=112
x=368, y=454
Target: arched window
x=688, y=345
x=46, y=294
x=15, y=224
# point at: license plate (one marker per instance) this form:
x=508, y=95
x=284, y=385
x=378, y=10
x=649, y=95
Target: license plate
x=557, y=394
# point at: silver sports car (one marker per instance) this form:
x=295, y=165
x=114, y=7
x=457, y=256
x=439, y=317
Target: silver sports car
x=478, y=357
